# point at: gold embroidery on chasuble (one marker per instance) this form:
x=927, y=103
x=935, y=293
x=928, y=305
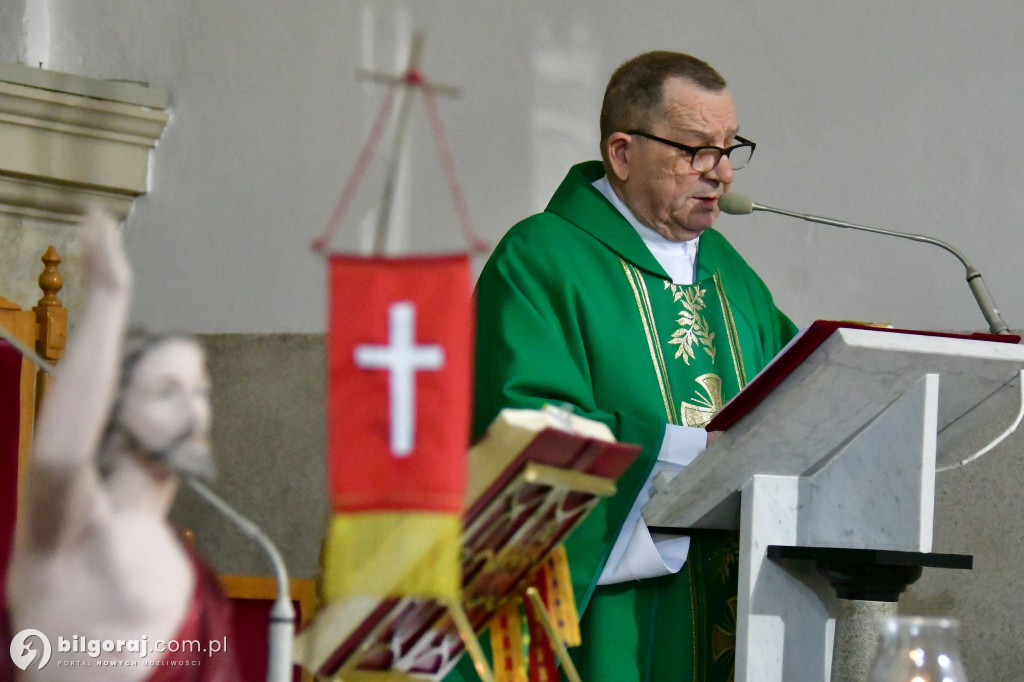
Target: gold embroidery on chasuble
x=693, y=342
x=727, y=558
x=723, y=637
x=706, y=404
x=695, y=335
x=693, y=329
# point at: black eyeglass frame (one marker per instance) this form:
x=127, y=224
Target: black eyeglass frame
x=693, y=151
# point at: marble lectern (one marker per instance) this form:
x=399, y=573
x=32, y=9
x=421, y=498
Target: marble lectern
x=840, y=454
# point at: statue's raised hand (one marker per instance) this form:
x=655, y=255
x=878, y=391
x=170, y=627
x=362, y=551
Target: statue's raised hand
x=103, y=257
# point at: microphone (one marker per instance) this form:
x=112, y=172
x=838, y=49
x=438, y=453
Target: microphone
x=282, y=613
x=737, y=204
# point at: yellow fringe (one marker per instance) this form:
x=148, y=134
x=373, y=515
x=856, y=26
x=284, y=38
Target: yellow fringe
x=507, y=643
x=561, y=601
x=542, y=664
x=508, y=636
x=393, y=554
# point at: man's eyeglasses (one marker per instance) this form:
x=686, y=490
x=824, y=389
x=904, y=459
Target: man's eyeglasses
x=703, y=159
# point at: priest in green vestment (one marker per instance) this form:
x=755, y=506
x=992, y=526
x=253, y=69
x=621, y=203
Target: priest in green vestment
x=621, y=301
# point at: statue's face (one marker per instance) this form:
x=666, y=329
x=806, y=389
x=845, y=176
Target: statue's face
x=166, y=406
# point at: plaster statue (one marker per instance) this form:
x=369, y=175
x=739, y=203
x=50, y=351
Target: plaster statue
x=95, y=558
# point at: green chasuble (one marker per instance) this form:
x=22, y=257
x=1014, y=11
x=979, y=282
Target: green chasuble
x=572, y=308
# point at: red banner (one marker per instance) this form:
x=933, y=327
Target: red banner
x=399, y=368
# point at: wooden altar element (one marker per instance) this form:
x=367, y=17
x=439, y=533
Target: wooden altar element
x=44, y=330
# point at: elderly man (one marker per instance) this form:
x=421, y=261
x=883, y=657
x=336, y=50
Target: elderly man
x=622, y=301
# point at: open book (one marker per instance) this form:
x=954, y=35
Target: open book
x=533, y=477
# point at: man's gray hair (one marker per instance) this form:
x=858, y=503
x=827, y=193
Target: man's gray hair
x=635, y=92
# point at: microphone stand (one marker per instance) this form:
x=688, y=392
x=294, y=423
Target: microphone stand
x=981, y=294
x=282, y=614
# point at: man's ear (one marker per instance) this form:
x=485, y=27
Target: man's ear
x=618, y=146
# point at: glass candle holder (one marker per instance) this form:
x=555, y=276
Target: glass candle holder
x=912, y=649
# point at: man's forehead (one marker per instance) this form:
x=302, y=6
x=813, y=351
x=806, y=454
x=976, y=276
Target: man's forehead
x=697, y=112
x=695, y=126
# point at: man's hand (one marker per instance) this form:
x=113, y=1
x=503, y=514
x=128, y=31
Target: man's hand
x=104, y=261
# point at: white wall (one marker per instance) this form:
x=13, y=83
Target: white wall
x=11, y=14
x=898, y=115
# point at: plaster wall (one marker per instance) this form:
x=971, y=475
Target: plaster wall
x=897, y=115
x=268, y=439
x=11, y=14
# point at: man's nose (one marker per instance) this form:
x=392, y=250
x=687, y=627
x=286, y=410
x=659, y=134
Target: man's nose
x=722, y=171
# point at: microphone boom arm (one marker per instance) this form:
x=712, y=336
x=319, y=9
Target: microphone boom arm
x=282, y=613
x=981, y=294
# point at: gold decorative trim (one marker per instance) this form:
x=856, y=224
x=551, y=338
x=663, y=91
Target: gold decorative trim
x=731, y=332
x=643, y=304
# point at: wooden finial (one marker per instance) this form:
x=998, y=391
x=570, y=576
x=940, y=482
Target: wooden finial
x=51, y=315
x=50, y=280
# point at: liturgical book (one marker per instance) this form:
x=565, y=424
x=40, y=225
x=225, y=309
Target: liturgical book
x=533, y=477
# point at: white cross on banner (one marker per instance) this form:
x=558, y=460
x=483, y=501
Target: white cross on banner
x=402, y=358
x=399, y=365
